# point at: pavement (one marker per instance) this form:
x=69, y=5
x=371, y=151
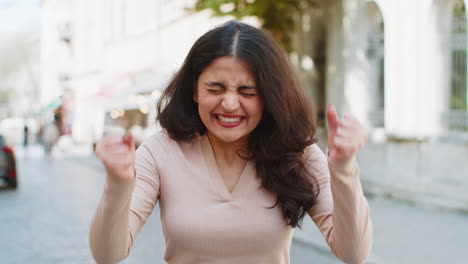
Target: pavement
x=404, y=232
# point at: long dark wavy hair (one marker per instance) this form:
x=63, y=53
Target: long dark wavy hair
x=287, y=127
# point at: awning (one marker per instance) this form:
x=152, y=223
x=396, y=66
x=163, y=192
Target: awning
x=133, y=98
x=51, y=106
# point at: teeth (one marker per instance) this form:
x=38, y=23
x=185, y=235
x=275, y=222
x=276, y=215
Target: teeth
x=229, y=119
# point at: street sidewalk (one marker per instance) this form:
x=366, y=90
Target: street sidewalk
x=63, y=149
x=406, y=233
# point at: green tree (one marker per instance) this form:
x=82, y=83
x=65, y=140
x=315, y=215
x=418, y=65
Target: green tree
x=278, y=16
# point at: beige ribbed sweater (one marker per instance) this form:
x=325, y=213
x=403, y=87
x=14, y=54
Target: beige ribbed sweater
x=205, y=223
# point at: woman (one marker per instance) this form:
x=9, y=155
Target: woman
x=235, y=168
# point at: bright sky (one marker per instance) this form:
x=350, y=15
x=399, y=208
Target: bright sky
x=19, y=15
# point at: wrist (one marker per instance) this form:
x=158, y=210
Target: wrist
x=123, y=178
x=346, y=166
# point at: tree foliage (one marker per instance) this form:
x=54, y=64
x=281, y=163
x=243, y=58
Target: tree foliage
x=278, y=16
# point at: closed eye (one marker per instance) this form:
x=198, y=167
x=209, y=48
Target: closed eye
x=214, y=90
x=215, y=87
x=248, y=90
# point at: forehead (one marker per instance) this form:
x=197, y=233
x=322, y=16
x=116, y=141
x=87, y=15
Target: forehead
x=228, y=69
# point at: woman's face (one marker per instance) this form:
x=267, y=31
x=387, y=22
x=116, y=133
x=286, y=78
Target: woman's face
x=228, y=101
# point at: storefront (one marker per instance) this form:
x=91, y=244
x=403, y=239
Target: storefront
x=132, y=110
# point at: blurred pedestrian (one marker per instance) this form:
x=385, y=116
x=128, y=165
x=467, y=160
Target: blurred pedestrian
x=236, y=167
x=50, y=136
x=26, y=136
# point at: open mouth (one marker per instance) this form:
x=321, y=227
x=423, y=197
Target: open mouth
x=229, y=120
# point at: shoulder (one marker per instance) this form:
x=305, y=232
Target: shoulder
x=155, y=146
x=160, y=141
x=313, y=153
x=163, y=146
x=315, y=160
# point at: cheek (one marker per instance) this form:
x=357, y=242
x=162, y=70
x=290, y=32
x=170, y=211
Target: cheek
x=206, y=104
x=259, y=106
x=256, y=109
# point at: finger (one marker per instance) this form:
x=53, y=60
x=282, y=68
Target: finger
x=345, y=146
x=336, y=154
x=117, y=161
x=340, y=143
x=349, y=137
x=332, y=155
x=354, y=124
x=332, y=118
x=112, y=138
x=107, y=143
x=353, y=135
x=333, y=122
x=108, y=147
x=103, y=152
x=349, y=121
x=346, y=123
x=129, y=141
x=119, y=149
x=342, y=132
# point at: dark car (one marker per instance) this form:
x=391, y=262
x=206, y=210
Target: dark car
x=7, y=165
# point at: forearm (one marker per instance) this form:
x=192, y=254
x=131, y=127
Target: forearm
x=351, y=237
x=110, y=237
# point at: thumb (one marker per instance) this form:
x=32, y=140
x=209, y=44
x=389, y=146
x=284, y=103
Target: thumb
x=128, y=140
x=333, y=121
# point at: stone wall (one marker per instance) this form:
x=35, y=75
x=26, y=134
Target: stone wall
x=434, y=173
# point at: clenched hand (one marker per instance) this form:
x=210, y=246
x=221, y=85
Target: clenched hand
x=117, y=153
x=345, y=138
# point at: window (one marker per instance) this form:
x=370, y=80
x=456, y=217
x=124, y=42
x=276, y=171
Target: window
x=457, y=117
x=458, y=96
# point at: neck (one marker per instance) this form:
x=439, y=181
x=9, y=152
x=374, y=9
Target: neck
x=228, y=151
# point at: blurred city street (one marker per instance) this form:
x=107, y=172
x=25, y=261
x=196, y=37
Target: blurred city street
x=46, y=220
x=73, y=71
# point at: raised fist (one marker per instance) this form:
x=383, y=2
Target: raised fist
x=117, y=153
x=345, y=138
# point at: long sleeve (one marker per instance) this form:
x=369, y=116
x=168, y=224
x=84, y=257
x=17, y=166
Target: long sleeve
x=123, y=210
x=342, y=212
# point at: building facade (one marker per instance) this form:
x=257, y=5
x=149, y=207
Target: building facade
x=118, y=56
x=400, y=67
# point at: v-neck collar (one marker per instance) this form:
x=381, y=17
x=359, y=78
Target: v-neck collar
x=216, y=178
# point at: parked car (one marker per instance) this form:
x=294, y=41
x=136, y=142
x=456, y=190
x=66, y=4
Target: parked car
x=7, y=165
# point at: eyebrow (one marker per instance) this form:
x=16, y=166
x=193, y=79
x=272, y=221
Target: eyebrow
x=243, y=87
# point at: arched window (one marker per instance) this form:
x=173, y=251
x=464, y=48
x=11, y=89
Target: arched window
x=458, y=90
x=375, y=53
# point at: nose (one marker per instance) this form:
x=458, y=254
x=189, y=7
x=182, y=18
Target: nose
x=230, y=102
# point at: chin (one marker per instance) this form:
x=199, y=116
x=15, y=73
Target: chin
x=228, y=137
